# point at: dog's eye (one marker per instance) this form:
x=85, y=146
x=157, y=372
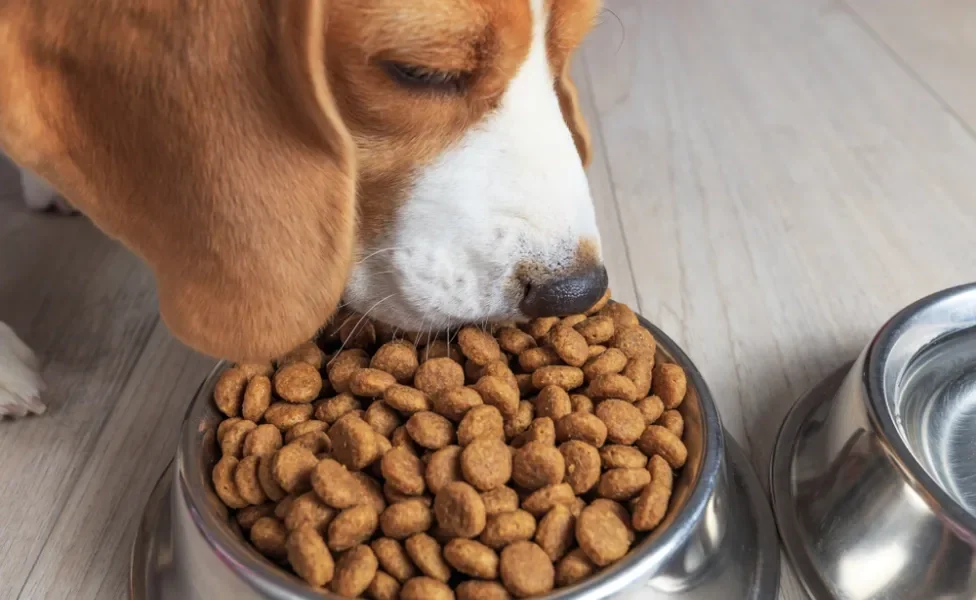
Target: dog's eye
x=424, y=78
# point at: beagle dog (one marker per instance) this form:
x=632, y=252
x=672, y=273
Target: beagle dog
x=421, y=159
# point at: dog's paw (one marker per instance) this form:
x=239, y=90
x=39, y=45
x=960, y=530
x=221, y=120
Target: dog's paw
x=20, y=378
x=41, y=197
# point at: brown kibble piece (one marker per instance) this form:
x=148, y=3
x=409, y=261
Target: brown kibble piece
x=342, y=367
x=224, y=426
x=486, y=463
x=478, y=346
x=651, y=408
x=604, y=299
x=357, y=332
x=270, y=537
x=441, y=349
x=443, y=468
x=254, y=369
x=370, y=383
x=569, y=344
x=292, y=468
x=352, y=526
x=526, y=570
x=596, y=330
x=315, y=441
x=403, y=471
x=539, y=327
x=553, y=402
x=514, y=340
x=568, y=378
x=474, y=589
x=623, y=484
x=307, y=352
x=229, y=391
x=634, y=341
x=285, y=416
x=430, y=430
x=613, y=385
x=608, y=362
x=481, y=421
x=624, y=421
x=460, y=510
x=658, y=440
x=573, y=568
x=618, y=510
x=454, y=403
x=425, y=552
x=573, y=320
x=383, y=587
x=521, y=421
x=541, y=501
x=257, y=398
x=537, y=465
x=524, y=382
x=262, y=440
x=505, y=528
x=306, y=427
x=247, y=482
x=383, y=419
x=673, y=422
x=309, y=556
x=500, y=369
x=669, y=384
x=602, y=535
x=499, y=500
x=284, y=505
x=335, y=485
x=581, y=403
x=397, y=358
x=393, y=558
x=533, y=359
x=661, y=473
x=438, y=374
x=640, y=370
x=650, y=508
x=247, y=517
x=621, y=314
x=497, y=392
x=582, y=465
x=232, y=443
x=308, y=509
x=404, y=519
x=353, y=442
x=616, y=456
x=298, y=383
x=266, y=478
x=582, y=426
x=402, y=439
x=224, y=485
x=595, y=350
x=542, y=430
x=472, y=558
x=373, y=491
x=332, y=409
x=425, y=588
x=556, y=532
x=406, y=399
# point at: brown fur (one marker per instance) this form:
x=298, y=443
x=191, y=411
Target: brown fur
x=231, y=144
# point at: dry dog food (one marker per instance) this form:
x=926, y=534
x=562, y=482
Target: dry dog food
x=494, y=465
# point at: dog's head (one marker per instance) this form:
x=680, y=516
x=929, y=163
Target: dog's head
x=425, y=158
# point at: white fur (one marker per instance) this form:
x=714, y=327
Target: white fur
x=39, y=195
x=20, y=379
x=513, y=190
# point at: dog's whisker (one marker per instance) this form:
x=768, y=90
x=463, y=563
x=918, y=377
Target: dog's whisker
x=372, y=254
x=355, y=328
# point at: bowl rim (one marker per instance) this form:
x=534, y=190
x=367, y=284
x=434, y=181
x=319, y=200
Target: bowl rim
x=873, y=373
x=650, y=556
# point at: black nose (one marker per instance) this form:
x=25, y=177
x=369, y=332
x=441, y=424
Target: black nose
x=567, y=295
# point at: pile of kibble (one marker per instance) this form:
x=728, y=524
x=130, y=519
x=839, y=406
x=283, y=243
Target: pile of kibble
x=500, y=463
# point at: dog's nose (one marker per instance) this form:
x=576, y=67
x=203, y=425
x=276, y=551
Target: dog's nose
x=567, y=295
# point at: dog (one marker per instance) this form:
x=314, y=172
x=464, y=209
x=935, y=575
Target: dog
x=423, y=160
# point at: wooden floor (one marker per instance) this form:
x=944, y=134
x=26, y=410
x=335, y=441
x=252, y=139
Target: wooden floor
x=773, y=180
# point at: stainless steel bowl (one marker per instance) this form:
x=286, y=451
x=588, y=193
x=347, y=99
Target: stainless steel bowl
x=874, y=472
x=717, y=541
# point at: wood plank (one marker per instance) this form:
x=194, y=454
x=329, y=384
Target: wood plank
x=786, y=184
x=87, y=554
x=87, y=307
x=935, y=39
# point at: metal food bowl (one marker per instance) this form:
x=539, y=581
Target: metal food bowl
x=874, y=471
x=717, y=541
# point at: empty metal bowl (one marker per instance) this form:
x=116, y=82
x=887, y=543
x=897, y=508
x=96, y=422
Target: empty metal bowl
x=718, y=540
x=874, y=472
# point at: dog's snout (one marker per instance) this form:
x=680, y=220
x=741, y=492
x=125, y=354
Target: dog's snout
x=570, y=294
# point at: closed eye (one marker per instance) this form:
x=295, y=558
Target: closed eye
x=424, y=78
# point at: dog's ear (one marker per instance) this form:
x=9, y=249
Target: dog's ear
x=224, y=164
x=569, y=104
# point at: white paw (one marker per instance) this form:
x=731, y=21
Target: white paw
x=20, y=378
x=40, y=196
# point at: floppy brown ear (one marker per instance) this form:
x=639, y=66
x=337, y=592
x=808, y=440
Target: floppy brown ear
x=211, y=146
x=569, y=104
